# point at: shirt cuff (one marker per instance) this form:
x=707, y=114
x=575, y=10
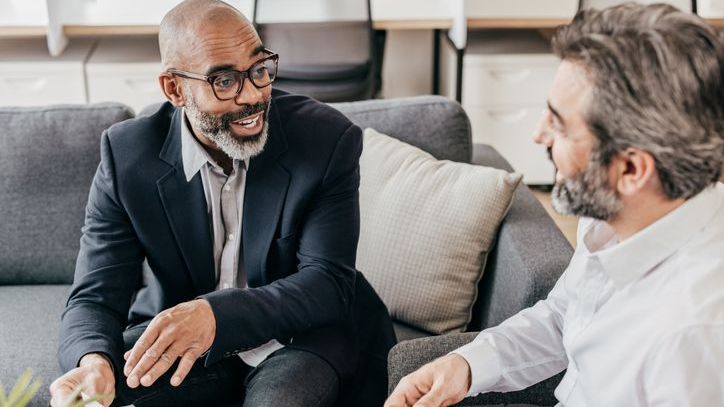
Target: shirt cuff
x=484, y=365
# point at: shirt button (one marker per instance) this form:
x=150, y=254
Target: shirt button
x=231, y=236
x=227, y=188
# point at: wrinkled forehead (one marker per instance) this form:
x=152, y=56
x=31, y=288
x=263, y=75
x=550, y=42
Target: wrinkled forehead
x=235, y=46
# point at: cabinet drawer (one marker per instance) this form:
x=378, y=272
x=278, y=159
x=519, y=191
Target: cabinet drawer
x=526, y=81
x=29, y=76
x=125, y=70
x=136, y=88
x=37, y=86
x=510, y=130
x=521, y=8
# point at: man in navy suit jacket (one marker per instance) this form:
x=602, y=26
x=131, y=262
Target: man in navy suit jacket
x=244, y=204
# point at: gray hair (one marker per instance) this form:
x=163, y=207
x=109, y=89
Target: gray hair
x=658, y=85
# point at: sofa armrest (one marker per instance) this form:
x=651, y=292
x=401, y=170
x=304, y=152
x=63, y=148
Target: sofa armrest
x=408, y=356
x=529, y=255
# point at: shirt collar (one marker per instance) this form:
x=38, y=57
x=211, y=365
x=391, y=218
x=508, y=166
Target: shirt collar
x=631, y=259
x=194, y=156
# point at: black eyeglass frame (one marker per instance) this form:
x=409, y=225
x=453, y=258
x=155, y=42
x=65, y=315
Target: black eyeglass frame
x=243, y=75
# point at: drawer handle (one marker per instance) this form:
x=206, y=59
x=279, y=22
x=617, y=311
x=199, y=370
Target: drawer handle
x=507, y=116
x=25, y=83
x=142, y=85
x=509, y=75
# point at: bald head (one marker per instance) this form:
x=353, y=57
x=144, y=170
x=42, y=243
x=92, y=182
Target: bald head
x=184, y=27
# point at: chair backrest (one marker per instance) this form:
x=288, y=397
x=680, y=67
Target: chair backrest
x=48, y=156
x=327, y=48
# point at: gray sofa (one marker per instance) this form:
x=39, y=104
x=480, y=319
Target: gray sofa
x=48, y=156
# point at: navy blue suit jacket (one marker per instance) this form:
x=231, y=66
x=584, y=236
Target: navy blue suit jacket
x=300, y=232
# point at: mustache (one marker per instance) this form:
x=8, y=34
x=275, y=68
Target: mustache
x=247, y=110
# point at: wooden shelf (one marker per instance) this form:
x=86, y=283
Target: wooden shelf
x=528, y=23
x=23, y=31
x=109, y=30
x=473, y=23
x=412, y=24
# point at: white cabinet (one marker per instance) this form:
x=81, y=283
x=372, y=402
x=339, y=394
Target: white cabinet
x=29, y=76
x=125, y=70
x=710, y=8
x=506, y=78
x=521, y=8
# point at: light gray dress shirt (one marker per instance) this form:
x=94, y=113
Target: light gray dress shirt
x=638, y=322
x=225, y=206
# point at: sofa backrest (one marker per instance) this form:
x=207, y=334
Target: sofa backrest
x=48, y=156
x=432, y=123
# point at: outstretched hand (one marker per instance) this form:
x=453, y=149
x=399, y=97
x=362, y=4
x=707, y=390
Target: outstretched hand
x=442, y=382
x=185, y=331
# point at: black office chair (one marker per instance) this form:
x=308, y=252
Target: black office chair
x=330, y=59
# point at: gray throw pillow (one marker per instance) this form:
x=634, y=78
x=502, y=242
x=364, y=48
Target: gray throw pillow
x=427, y=226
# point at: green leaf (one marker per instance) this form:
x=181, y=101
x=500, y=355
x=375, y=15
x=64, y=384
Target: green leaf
x=28, y=394
x=3, y=399
x=18, y=390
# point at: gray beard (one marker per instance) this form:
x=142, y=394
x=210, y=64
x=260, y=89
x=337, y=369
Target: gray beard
x=587, y=194
x=218, y=130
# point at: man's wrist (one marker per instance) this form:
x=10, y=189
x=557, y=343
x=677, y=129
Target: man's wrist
x=90, y=359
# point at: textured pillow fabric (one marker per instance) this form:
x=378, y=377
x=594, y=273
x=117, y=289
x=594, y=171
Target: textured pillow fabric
x=427, y=226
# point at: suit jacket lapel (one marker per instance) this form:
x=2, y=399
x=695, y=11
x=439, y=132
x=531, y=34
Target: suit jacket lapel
x=185, y=206
x=267, y=183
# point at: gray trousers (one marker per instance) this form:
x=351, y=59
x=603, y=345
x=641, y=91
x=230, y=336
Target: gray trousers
x=288, y=377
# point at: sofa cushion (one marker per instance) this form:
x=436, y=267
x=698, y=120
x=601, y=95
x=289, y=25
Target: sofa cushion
x=30, y=318
x=48, y=156
x=426, y=228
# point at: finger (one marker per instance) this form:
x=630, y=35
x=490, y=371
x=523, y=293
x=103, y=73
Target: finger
x=184, y=366
x=149, y=359
x=97, y=386
x=141, y=346
x=126, y=355
x=407, y=391
x=60, y=391
x=434, y=398
x=162, y=365
x=396, y=399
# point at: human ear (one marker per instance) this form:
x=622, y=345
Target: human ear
x=634, y=170
x=171, y=89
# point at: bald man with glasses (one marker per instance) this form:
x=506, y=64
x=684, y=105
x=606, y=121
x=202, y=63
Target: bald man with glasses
x=243, y=202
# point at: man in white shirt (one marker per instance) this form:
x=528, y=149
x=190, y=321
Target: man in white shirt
x=635, y=127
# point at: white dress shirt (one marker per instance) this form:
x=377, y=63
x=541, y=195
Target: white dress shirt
x=225, y=206
x=636, y=323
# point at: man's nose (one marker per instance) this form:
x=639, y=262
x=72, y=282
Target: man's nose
x=249, y=94
x=542, y=133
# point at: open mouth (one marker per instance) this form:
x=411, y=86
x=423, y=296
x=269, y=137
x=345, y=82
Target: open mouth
x=248, y=126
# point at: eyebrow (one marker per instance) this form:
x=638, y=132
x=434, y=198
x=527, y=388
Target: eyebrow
x=218, y=68
x=555, y=113
x=228, y=67
x=258, y=50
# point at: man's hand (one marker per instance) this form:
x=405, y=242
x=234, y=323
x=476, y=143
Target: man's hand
x=442, y=382
x=95, y=376
x=186, y=331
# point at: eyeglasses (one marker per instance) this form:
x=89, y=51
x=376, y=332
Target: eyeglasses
x=228, y=84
